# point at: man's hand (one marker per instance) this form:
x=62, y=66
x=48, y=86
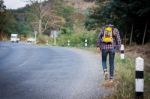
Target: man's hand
x=98, y=50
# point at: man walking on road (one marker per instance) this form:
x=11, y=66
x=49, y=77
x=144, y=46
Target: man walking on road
x=108, y=42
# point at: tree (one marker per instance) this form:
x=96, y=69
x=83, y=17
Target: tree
x=38, y=10
x=3, y=18
x=89, y=0
x=67, y=13
x=2, y=6
x=42, y=14
x=130, y=16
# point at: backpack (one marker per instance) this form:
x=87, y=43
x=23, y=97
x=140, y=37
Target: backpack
x=108, y=35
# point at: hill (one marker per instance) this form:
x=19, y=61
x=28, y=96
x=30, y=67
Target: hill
x=81, y=4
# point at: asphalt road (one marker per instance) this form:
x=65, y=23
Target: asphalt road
x=37, y=72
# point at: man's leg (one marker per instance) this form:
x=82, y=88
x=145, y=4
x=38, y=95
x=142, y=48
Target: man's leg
x=104, y=65
x=111, y=62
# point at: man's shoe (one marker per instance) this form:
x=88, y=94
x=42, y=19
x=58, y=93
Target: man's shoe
x=111, y=80
x=106, y=75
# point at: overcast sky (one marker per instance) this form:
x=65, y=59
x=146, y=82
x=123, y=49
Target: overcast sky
x=14, y=4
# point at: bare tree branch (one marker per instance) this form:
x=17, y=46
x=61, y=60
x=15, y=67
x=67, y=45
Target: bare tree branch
x=40, y=9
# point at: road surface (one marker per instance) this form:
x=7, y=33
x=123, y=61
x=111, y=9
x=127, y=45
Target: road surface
x=38, y=72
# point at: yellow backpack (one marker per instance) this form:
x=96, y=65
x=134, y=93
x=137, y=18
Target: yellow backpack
x=108, y=35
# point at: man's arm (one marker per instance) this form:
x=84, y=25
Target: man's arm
x=99, y=38
x=118, y=39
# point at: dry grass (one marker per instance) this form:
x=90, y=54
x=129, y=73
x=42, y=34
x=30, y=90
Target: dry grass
x=80, y=4
x=124, y=84
x=144, y=52
x=125, y=72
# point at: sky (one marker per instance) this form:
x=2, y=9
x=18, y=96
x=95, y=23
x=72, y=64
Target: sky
x=14, y=4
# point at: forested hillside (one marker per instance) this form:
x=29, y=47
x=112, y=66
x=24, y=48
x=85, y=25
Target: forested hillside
x=42, y=17
x=75, y=23
x=130, y=16
x=78, y=16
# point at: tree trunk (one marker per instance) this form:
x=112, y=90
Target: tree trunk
x=125, y=38
x=131, y=34
x=40, y=26
x=0, y=36
x=144, y=34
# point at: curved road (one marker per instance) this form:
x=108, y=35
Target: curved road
x=35, y=72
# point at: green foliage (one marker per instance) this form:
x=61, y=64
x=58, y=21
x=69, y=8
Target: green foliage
x=42, y=39
x=89, y=0
x=66, y=12
x=125, y=77
x=90, y=24
x=3, y=15
x=24, y=28
x=78, y=39
x=66, y=30
x=17, y=26
x=13, y=21
x=62, y=40
x=123, y=13
x=3, y=20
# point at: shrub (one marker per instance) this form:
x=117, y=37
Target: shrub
x=78, y=39
x=42, y=39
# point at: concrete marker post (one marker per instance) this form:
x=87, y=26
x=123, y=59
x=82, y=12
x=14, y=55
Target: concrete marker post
x=68, y=43
x=122, y=52
x=85, y=43
x=35, y=36
x=46, y=42
x=139, y=78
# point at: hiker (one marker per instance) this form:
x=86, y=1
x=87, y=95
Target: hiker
x=108, y=43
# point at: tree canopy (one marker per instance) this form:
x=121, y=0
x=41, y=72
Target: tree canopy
x=131, y=17
x=124, y=14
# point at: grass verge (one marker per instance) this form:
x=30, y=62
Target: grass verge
x=125, y=78
x=124, y=84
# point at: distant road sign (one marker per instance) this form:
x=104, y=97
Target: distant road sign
x=54, y=34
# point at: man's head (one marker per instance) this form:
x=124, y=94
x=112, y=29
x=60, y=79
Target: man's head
x=109, y=23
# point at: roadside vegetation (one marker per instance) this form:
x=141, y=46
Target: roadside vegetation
x=124, y=85
x=78, y=39
x=80, y=20
x=125, y=78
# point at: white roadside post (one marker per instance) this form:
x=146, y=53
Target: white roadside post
x=35, y=32
x=68, y=42
x=54, y=35
x=122, y=52
x=85, y=43
x=139, y=78
x=46, y=42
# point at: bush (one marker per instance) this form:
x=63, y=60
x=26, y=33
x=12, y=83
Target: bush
x=42, y=39
x=78, y=39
